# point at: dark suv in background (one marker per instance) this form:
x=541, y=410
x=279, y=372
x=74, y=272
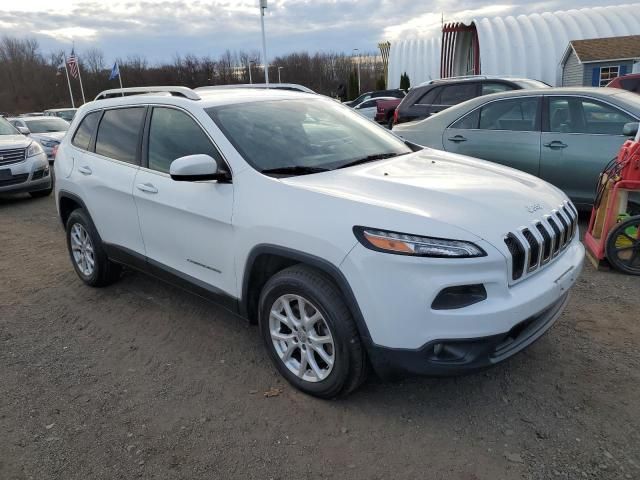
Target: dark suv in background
x=434, y=96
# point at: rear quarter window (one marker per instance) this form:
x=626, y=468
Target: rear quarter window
x=84, y=132
x=118, y=134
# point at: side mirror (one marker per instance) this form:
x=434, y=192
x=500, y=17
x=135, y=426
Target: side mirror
x=196, y=168
x=24, y=130
x=630, y=129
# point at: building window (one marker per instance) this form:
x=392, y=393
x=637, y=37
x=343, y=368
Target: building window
x=607, y=74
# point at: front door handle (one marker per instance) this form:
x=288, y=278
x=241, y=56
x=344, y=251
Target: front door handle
x=146, y=187
x=556, y=144
x=85, y=170
x=457, y=139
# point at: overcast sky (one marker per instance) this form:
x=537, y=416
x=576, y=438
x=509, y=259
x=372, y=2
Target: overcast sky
x=159, y=30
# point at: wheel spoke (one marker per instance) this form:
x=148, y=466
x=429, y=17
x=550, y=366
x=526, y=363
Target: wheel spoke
x=323, y=355
x=302, y=369
x=284, y=337
x=281, y=318
x=314, y=365
x=287, y=353
x=313, y=319
x=289, y=312
x=320, y=340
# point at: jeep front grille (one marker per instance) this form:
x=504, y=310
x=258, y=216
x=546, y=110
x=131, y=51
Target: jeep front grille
x=12, y=155
x=531, y=248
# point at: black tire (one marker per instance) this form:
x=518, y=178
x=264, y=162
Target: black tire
x=350, y=363
x=622, y=249
x=105, y=272
x=390, y=123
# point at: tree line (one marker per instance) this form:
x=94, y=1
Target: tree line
x=32, y=80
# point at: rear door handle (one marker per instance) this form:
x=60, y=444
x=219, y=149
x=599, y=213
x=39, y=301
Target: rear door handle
x=146, y=187
x=457, y=139
x=556, y=144
x=85, y=170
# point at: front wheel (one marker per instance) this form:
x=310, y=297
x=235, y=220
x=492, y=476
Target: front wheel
x=623, y=246
x=310, y=333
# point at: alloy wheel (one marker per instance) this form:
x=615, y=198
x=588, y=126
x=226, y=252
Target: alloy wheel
x=82, y=250
x=301, y=338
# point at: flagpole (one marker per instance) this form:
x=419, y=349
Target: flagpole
x=120, y=79
x=80, y=78
x=68, y=81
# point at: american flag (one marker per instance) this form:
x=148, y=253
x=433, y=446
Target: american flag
x=72, y=63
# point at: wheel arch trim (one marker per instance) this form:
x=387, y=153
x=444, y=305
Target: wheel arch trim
x=321, y=264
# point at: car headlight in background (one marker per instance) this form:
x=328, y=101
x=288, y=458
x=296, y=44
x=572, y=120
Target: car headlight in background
x=34, y=149
x=49, y=143
x=405, y=244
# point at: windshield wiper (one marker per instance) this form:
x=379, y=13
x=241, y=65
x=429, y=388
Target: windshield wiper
x=371, y=158
x=294, y=170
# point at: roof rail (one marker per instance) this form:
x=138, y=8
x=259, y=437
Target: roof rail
x=185, y=92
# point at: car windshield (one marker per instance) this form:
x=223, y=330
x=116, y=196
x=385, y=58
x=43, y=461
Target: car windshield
x=45, y=125
x=6, y=128
x=530, y=84
x=65, y=114
x=303, y=136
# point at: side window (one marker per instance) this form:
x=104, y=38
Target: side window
x=430, y=97
x=119, y=132
x=82, y=137
x=604, y=119
x=467, y=122
x=488, y=88
x=455, y=94
x=174, y=134
x=576, y=115
x=518, y=115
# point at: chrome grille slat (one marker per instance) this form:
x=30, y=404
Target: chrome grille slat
x=532, y=247
x=12, y=155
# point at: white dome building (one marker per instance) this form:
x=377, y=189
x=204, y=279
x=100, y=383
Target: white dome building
x=528, y=46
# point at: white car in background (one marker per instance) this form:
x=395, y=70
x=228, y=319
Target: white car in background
x=369, y=107
x=47, y=131
x=64, y=113
x=348, y=246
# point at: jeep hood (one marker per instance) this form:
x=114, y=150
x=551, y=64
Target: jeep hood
x=483, y=198
x=56, y=136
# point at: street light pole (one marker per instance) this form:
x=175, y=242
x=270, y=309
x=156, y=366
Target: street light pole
x=250, y=80
x=279, y=79
x=263, y=7
x=356, y=50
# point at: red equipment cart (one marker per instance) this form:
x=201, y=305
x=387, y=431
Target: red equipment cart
x=613, y=234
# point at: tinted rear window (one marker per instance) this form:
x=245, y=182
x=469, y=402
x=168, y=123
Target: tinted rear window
x=82, y=137
x=119, y=133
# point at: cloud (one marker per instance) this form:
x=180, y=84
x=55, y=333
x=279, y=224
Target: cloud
x=160, y=29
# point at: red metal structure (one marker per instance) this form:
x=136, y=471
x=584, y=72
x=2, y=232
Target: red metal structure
x=606, y=238
x=460, y=50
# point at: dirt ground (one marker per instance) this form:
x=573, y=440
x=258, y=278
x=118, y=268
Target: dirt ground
x=144, y=380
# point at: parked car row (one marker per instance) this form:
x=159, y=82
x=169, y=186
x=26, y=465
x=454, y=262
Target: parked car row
x=565, y=136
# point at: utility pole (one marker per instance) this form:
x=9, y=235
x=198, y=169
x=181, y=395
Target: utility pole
x=263, y=7
x=356, y=50
x=279, y=79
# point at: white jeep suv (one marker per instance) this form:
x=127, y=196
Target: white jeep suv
x=349, y=247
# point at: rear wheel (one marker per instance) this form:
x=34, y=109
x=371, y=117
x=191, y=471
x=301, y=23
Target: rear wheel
x=623, y=246
x=310, y=333
x=87, y=254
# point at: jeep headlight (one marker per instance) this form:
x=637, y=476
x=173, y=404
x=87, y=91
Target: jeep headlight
x=34, y=149
x=405, y=244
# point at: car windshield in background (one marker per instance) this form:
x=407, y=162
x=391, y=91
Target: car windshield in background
x=303, y=136
x=6, y=128
x=66, y=114
x=530, y=84
x=45, y=125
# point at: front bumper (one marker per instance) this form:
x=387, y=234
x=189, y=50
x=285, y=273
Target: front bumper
x=401, y=328
x=449, y=357
x=30, y=175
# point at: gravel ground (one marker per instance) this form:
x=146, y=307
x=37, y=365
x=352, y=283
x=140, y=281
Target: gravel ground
x=144, y=380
